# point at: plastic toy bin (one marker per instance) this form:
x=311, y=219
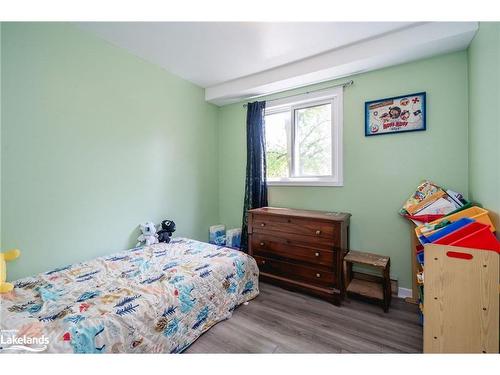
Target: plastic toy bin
x=477, y=213
x=473, y=235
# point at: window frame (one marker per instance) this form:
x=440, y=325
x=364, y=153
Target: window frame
x=334, y=97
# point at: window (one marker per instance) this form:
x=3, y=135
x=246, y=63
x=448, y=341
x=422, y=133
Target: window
x=304, y=139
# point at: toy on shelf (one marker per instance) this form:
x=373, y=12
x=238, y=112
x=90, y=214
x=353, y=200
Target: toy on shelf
x=445, y=230
x=6, y=287
x=430, y=202
x=423, y=191
x=455, y=261
x=474, y=212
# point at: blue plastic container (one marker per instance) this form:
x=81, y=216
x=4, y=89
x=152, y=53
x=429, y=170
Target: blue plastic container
x=420, y=257
x=449, y=229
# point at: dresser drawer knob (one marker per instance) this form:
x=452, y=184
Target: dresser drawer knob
x=318, y=232
x=262, y=244
x=262, y=224
x=316, y=254
x=263, y=262
x=318, y=275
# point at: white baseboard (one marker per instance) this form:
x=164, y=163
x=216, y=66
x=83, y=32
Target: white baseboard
x=404, y=293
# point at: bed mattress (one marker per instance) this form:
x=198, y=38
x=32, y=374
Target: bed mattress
x=156, y=299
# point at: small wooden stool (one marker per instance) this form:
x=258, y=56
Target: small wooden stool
x=368, y=286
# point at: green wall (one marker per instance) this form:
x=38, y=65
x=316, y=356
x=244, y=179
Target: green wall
x=1, y=136
x=484, y=125
x=379, y=172
x=94, y=142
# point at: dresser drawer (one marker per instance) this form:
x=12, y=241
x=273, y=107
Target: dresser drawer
x=274, y=246
x=296, y=272
x=264, y=223
x=300, y=250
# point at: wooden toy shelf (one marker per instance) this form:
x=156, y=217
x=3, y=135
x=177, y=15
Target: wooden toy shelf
x=414, y=266
x=461, y=300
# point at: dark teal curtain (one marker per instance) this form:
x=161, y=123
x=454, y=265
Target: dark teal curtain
x=255, y=183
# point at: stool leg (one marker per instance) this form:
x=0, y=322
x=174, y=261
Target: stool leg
x=387, y=286
x=348, y=275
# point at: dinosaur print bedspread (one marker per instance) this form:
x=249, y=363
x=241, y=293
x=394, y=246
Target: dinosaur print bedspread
x=156, y=299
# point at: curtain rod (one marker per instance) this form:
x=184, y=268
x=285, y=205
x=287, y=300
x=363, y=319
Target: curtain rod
x=344, y=85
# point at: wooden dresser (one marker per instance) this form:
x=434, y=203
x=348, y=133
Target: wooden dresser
x=300, y=250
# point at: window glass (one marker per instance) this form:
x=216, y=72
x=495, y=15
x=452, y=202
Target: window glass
x=278, y=145
x=313, y=141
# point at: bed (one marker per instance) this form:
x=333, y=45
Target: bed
x=156, y=299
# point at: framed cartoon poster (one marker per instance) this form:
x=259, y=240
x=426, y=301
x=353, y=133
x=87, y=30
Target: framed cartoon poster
x=399, y=114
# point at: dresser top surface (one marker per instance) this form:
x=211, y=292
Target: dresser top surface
x=309, y=214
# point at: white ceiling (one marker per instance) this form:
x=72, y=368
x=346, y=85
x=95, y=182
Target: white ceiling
x=209, y=53
x=237, y=60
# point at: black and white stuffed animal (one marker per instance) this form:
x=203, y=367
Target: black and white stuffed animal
x=167, y=228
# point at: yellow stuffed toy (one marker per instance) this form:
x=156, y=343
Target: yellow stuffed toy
x=5, y=257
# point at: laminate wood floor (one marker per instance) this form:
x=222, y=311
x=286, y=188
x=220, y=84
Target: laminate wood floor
x=280, y=321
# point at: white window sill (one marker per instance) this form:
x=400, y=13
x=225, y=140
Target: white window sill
x=305, y=182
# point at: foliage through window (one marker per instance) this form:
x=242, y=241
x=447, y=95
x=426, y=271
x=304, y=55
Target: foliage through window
x=303, y=141
x=278, y=145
